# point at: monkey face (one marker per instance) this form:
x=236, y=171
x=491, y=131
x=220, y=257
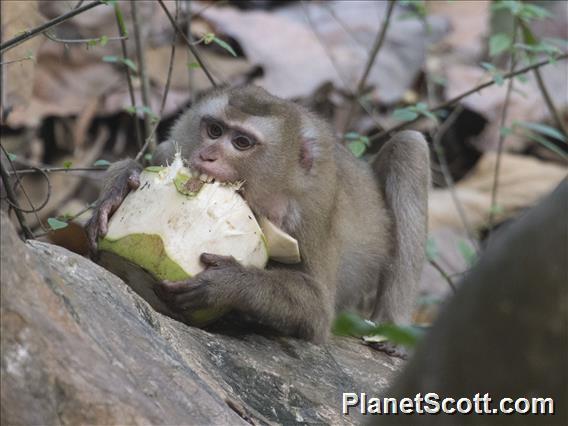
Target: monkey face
x=225, y=147
x=238, y=140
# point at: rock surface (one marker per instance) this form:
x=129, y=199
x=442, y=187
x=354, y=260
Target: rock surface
x=80, y=347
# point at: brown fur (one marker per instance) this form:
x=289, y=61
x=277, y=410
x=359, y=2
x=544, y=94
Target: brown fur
x=361, y=229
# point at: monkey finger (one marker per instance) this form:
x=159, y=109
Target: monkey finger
x=198, y=297
x=214, y=260
x=133, y=180
x=168, y=289
x=91, y=230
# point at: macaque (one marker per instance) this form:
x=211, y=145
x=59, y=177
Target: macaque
x=361, y=228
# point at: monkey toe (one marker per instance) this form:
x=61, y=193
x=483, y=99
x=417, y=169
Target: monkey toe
x=391, y=349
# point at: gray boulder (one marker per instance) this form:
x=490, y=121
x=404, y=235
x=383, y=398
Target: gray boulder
x=80, y=347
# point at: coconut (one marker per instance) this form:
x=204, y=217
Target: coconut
x=173, y=217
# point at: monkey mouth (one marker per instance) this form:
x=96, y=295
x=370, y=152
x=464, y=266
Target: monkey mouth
x=209, y=175
x=205, y=178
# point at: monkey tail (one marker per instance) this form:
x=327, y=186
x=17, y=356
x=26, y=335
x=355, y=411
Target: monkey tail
x=402, y=168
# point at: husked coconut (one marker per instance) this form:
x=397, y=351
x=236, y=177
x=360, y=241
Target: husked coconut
x=172, y=218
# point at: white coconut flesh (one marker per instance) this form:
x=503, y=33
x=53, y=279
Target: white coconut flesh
x=164, y=227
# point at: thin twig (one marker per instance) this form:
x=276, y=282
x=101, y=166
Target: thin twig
x=443, y=273
x=190, y=70
x=2, y=73
x=24, y=192
x=12, y=197
x=467, y=93
x=26, y=35
x=336, y=67
x=189, y=44
x=502, y=135
x=164, y=96
x=442, y=160
x=34, y=209
x=139, y=42
x=170, y=67
x=379, y=41
x=58, y=169
x=549, y=103
x=123, y=33
x=26, y=58
x=79, y=40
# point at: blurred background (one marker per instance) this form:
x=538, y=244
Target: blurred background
x=110, y=78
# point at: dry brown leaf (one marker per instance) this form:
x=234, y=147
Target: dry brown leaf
x=18, y=16
x=522, y=182
x=296, y=63
x=469, y=21
x=526, y=104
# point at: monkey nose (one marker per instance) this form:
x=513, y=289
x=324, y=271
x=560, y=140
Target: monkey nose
x=209, y=157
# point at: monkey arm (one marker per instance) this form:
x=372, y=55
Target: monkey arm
x=121, y=178
x=288, y=300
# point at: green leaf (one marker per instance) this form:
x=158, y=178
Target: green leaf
x=154, y=169
x=224, y=45
x=358, y=148
x=56, y=224
x=347, y=324
x=546, y=143
x=193, y=65
x=404, y=114
x=351, y=136
x=208, y=38
x=528, y=36
x=129, y=64
x=120, y=19
x=495, y=73
x=531, y=11
x=421, y=107
x=103, y=40
x=506, y=131
x=12, y=157
x=130, y=109
x=431, y=249
x=112, y=59
x=101, y=163
x=148, y=111
x=467, y=252
x=498, y=43
x=429, y=115
x=543, y=129
x=67, y=164
x=496, y=209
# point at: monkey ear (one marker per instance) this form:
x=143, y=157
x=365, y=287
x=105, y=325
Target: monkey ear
x=307, y=152
x=308, y=146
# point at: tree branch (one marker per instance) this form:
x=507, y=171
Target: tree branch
x=26, y=35
x=458, y=98
x=188, y=42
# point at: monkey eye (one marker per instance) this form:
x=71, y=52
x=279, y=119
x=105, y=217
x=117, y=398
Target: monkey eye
x=242, y=142
x=214, y=130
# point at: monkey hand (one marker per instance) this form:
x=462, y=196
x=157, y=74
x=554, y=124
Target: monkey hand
x=109, y=201
x=212, y=288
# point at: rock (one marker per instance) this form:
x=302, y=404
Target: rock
x=504, y=331
x=80, y=347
